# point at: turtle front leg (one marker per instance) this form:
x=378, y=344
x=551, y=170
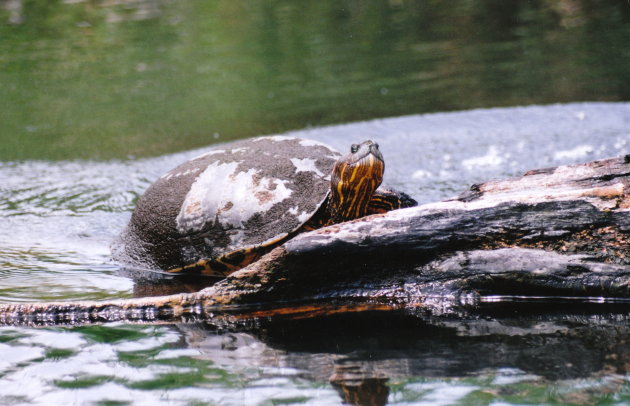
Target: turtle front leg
x=223, y=266
x=385, y=199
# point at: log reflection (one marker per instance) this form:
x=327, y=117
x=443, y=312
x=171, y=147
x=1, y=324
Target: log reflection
x=363, y=354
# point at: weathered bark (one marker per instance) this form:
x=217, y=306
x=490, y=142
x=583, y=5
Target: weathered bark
x=555, y=231
x=558, y=231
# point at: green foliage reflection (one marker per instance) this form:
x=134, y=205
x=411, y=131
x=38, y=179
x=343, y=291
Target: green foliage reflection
x=104, y=79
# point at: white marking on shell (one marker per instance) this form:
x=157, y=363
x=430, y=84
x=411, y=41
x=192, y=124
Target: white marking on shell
x=306, y=165
x=302, y=217
x=237, y=150
x=211, y=152
x=239, y=196
x=220, y=151
x=275, y=138
x=305, y=142
x=170, y=175
x=311, y=143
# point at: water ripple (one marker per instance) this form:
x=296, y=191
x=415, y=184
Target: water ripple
x=43, y=188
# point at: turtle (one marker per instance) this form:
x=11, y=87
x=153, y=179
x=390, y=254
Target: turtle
x=224, y=209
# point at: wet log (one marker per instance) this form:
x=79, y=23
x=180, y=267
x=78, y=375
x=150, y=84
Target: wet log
x=561, y=231
x=557, y=231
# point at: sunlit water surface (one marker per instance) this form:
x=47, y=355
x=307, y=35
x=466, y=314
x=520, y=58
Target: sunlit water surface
x=58, y=219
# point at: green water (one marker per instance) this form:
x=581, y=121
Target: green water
x=110, y=79
x=154, y=79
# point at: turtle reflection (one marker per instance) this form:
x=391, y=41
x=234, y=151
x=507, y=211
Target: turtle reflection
x=363, y=353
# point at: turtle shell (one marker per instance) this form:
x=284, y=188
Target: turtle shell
x=242, y=195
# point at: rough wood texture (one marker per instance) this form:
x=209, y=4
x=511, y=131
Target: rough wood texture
x=557, y=231
x=553, y=231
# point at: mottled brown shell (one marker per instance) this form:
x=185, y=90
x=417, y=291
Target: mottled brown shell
x=244, y=195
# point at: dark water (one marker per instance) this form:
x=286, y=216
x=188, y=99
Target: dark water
x=96, y=98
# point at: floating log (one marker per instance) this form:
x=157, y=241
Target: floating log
x=560, y=231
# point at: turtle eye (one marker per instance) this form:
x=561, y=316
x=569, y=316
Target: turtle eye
x=354, y=148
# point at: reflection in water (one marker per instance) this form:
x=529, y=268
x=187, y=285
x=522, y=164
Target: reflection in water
x=355, y=389
x=14, y=7
x=117, y=10
x=364, y=355
x=145, y=77
x=121, y=10
x=539, y=354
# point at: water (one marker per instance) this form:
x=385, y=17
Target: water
x=541, y=360
x=98, y=99
x=115, y=78
x=60, y=217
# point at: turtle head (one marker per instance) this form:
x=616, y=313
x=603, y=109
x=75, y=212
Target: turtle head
x=354, y=179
